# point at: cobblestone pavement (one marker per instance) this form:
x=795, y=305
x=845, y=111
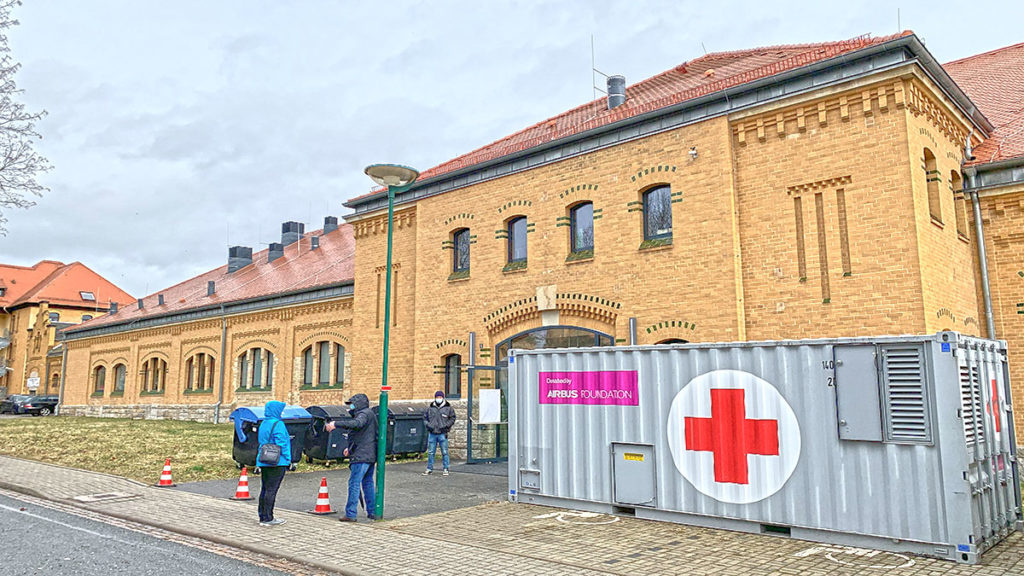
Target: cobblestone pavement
x=492, y=539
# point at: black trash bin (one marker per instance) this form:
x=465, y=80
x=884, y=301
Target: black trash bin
x=321, y=445
x=410, y=431
x=391, y=427
x=247, y=423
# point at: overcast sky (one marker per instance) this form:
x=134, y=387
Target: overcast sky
x=176, y=128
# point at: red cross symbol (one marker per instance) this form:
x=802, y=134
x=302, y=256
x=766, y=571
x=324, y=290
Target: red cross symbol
x=730, y=436
x=993, y=404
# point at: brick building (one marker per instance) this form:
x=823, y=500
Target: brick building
x=37, y=301
x=783, y=192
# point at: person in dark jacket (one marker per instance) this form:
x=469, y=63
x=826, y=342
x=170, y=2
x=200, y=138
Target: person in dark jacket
x=439, y=418
x=273, y=431
x=362, y=455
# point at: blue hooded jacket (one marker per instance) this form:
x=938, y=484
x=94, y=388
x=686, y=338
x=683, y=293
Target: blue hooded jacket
x=273, y=430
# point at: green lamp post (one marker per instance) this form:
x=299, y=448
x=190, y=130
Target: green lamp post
x=397, y=179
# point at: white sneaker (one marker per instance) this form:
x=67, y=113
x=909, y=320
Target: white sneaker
x=428, y=472
x=274, y=522
x=445, y=472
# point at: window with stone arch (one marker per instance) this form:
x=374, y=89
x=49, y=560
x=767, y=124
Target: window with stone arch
x=255, y=369
x=199, y=372
x=657, y=209
x=323, y=365
x=460, y=251
x=452, y=379
x=153, y=376
x=516, y=252
x=581, y=228
x=932, y=178
x=99, y=380
x=120, y=375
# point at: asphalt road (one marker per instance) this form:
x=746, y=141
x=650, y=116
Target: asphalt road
x=407, y=492
x=36, y=540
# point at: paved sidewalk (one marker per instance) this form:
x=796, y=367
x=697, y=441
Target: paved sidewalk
x=491, y=539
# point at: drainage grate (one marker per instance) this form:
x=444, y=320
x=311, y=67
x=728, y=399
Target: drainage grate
x=105, y=497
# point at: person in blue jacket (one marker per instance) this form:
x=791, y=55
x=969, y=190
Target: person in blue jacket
x=273, y=431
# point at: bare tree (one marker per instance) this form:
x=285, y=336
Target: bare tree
x=20, y=164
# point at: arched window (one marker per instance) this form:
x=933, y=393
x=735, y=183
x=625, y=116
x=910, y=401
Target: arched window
x=307, y=366
x=199, y=372
x=99, y=380
x=517, y=240
x=120, y=375
x=323, y=365
x=658, y=213
x=54, y=383
x=959, y=203
x=86, y=317
x=581, y=228
x=154, y=376
x=453, y=376
x=932, y=178
x=256, y=369
x=460, y=253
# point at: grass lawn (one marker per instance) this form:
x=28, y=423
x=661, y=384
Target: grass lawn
x=132, y=448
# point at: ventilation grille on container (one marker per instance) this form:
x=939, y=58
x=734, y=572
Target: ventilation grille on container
x=906, y=401
x=970, y=401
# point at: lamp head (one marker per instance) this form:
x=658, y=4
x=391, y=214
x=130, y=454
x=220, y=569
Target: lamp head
x=391, y=174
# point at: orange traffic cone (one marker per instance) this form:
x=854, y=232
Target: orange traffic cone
x=323, y=501
x=165, y=476
x=242, y=492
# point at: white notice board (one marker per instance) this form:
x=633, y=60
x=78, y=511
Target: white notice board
x=490, y=406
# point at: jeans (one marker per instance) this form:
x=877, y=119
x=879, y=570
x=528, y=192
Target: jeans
x=433, y=441
x=361, y=477
x=270, y=481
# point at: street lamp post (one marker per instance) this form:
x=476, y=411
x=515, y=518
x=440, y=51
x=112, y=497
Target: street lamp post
x=397, y=179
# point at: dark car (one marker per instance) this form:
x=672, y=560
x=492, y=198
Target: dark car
x=12, y=404
x=40, y=405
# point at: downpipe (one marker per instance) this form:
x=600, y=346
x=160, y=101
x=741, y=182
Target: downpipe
x=223, y=351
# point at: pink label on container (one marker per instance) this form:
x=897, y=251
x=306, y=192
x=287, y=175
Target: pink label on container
x=602, y=387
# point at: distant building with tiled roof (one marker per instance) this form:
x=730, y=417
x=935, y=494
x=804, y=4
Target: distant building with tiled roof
x=37, y=301
x=816, y=190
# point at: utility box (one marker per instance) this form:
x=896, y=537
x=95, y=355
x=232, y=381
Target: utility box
x=896, y=443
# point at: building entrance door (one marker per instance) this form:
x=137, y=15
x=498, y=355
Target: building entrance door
x=489, y=442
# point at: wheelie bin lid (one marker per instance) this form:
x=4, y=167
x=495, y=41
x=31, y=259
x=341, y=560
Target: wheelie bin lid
x=328, y=412
x=245, y=414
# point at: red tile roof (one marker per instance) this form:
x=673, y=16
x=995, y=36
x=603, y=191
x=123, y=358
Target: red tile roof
x=687, y=81
x=57, y=283
x=995, y=82
x=300, y=268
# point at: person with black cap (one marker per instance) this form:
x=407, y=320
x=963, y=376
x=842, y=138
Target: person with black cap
x=362, y=455
x=439, y=418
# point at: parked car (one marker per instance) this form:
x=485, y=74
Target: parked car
x=40, y=405
x=12, y=404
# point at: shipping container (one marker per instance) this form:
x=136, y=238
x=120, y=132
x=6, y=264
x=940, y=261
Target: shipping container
x=901, y=443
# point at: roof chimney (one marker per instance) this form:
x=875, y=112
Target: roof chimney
x=239, y=257
x=291, y=232
x=211, y=287
x=140, y=303
x=276, y=251
x=113, y=307
x=160, y=300
x=330, y=224
x=616, y=91
x=314, y=242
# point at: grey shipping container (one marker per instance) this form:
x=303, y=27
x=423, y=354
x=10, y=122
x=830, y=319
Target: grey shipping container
x=902, y=443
